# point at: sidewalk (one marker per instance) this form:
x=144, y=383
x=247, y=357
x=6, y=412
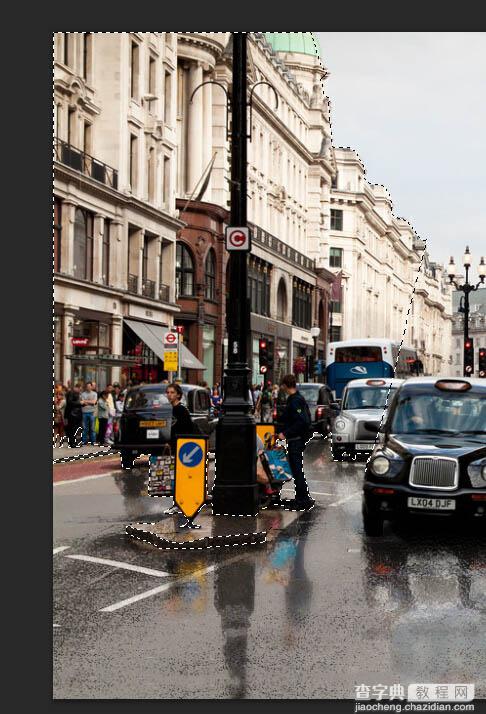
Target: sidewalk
x=64, y=453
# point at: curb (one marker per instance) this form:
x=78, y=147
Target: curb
x=198, y=543
x=83, y=457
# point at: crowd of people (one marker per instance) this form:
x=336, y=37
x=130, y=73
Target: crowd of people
x=268, y=399
x=83, y=411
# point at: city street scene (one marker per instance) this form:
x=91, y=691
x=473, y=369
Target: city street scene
x=269, y=387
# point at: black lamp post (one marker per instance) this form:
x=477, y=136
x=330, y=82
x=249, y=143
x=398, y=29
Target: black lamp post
x=466, y=288
x=235, y=490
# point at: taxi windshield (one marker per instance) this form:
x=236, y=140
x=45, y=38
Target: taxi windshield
x=436, y=414
x=367, y=397
x=145, y=399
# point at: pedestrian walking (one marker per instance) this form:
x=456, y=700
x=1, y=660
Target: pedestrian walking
x=182, y=424
x=295, y=427
x=89, y=399
x=265, y=403
x=103, y=416
x=59, y=407
x=73, y=414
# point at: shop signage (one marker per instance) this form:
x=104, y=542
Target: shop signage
x=238, y=238
x=80, y=341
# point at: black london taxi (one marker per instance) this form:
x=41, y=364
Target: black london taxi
x=430, y=458
x=146, y=420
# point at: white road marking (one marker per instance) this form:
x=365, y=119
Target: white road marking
x=346, y=498
x=82, y=478
x=121, y=565
x=60, y=548
x=314, y=493
x=155, y=591
x=354, y=550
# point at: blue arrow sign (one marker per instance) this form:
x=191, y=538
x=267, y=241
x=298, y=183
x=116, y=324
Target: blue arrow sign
x=190, y=454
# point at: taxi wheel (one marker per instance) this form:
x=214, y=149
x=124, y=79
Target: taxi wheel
x=126, y=460
x=372, y=524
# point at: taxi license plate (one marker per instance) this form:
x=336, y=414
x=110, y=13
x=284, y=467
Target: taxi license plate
x=152, y=424
x=434, y=504
x=152, y=433
x=365, y=447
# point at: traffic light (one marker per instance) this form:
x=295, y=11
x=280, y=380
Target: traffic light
x=269, y=355
x=482, y=362
x=469, y=357
x=263, y=355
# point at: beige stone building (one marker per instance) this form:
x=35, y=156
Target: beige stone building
x=379, y=256
x=115, y=220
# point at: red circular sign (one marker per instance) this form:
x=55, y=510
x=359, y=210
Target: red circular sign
x=170, y=338
x=237, y=238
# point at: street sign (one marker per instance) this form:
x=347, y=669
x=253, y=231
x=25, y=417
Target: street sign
x=171, y=339
x=190, y=474
x=170, y=360
x=180, y=329
x=238, y=238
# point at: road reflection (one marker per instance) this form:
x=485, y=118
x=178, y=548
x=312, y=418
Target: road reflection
x=429, y=593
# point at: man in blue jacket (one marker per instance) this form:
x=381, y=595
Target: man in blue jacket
x=295, y=428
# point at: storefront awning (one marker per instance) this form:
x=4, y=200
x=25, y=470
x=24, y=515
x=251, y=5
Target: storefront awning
x=153, y=336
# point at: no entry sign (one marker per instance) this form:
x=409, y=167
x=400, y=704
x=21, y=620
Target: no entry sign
x=238, y=238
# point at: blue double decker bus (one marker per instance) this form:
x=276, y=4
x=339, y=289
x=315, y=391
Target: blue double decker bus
x=370, y=357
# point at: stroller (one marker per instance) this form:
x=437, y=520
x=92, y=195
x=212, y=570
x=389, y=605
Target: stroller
x=276, y=467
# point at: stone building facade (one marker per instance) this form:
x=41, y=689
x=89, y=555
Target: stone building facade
x=115, y=220
x=378, y=257
x=290, y=171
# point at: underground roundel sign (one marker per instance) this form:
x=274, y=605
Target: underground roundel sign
x=238, y=238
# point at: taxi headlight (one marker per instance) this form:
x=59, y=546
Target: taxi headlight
x=380, y=465
x=340, y=424
x=483, y=471
x=477, y=473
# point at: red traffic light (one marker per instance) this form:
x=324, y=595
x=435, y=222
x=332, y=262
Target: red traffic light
x=468, y=344
x=263, y=344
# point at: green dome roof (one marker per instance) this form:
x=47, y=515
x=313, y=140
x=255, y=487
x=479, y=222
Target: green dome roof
x=305, y=43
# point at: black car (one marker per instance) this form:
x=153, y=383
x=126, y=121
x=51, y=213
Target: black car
x=321, y=403
x=146, y=421
x=431, y=454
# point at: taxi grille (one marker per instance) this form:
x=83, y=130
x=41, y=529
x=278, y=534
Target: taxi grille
x=434, y=472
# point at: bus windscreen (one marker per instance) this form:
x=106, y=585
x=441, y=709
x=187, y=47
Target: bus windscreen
x=358, y=353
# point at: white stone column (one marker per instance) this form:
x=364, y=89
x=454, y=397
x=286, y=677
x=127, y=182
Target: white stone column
x=116, y=344
x=141, y=240
x=118, y=269
x=158, y=252
x=98, y=228
x=207, y=147
x=68, y=318
x=194, y=128
x=67, y=237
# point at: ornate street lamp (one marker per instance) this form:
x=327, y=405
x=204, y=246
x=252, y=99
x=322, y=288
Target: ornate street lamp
x=466, y=288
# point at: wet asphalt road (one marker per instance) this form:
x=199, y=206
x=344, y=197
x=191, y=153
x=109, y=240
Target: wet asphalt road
x=310, y=616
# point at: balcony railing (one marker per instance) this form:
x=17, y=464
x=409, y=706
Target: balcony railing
x=86, y=164
x=133, y=284
x=164, y=293
x=277, y=246
x=148, y=288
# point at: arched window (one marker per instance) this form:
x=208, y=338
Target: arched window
x=282, y=301
x=184, y=271
x=83, y=245
x=210, y=273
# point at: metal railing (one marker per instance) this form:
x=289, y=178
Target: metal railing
x=85, y=163
x=164, y=293
x=133, y=284
x=148, y=288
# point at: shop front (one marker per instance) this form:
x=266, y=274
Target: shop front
x=302, y=355
x=278, y=336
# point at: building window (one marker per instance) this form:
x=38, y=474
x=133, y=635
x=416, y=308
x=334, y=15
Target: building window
x=87, y=49
x=83, y=245
x=105, y=255
x=335, y=333
x=302, y=304
x=87, y=138
x=184, y=271
x=336, y=257
x=71, y=137
x=151, y=75
x=334, y=181
x=336, y=219
x=259, y=286
x=58, y=348
x=335, y=305
x=57, y=234
x=166, y=188
x=151, y=174
x=134, y=70
x=133, y=162
x=210, y=271
x=167, y=97
x=282, y=301
x=67, y=49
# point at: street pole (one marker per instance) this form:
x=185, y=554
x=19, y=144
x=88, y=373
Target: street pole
x=235, y=490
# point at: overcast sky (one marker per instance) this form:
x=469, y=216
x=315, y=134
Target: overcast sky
x=413, y=106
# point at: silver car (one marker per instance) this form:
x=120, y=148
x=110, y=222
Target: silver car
x=355, y=428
